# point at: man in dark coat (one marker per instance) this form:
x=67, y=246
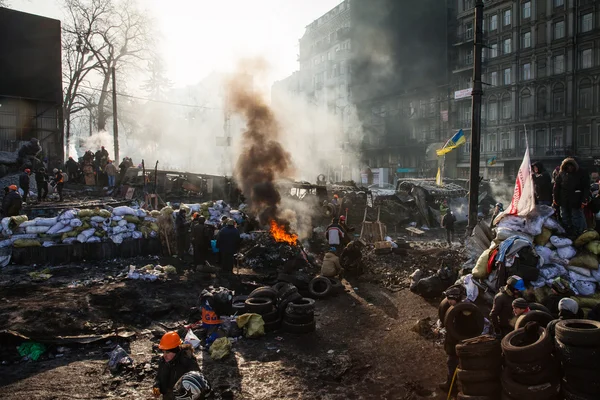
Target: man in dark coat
x=41, y=181
x=123, y=169
x=542, y=184
x=72, y=168
x=177, y=360
x=228, y=243
x=24, y=182
x=454, y=295
x=448, y=222
x=181, y=229
x=567, y=309
x=502, y=311
x=12, y=202
x=201, y=237
x=571, y=193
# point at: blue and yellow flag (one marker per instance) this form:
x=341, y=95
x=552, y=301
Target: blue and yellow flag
x=452, y=143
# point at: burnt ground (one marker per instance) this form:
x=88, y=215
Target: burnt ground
x=363, y=348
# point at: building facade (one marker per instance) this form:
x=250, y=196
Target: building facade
x=541, y=75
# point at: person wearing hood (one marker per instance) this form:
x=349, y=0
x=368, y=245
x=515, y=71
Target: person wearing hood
x=454, y=294
x=571, y=193
x=12, y=202
x=567, y=309
x=542, y=184
x=502, y=310
x=177, y=359
x=331, y=266
x=228, y=243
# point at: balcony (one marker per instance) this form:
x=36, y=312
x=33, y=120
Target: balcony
x=515, y=154
x=464, y=65
x=464, y=38
x=342, y=54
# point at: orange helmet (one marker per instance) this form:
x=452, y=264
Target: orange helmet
x=170, y=340
x=335, y=196
x=13, y=187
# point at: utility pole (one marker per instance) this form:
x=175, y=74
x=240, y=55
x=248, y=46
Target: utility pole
x=115, y=121
x=477, y=93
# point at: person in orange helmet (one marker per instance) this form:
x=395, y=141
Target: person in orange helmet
x=177, y=359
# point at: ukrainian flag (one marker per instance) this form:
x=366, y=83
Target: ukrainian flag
x=452, y=143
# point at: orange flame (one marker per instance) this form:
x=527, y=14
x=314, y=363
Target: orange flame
x=280, y=235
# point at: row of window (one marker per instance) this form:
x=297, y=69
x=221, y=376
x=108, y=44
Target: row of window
x=331, y=54
x=540, y=142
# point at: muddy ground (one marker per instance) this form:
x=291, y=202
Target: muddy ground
x=363, y=347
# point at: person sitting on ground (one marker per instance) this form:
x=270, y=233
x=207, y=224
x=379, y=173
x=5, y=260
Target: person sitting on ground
x=12, y=202
x=331, y=264
x=334, y=233
x=177, y=359
x=454, y=294
x=567, y=309
x=502, y=312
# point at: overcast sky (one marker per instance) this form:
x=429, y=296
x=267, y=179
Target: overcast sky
x=201, y=36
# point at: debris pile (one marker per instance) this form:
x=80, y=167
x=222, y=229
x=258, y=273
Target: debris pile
x=266, y=253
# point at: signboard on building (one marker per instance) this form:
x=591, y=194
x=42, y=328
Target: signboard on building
x=461, y=94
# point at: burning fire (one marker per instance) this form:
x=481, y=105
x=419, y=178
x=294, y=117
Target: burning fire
x=280, y=235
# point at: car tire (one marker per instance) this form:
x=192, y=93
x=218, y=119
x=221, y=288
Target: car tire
x=582, y=357
x=571, y=394
x=548, y=390
x=259, y=305
x=492, y=362
x=266, y=292
x=319, y=287
x=488, y=388
x=336, y=285
x=550, y=373
x=271, y=315
x=541, y=348
x=278, y=286
x=578, y=384
x=238, y=304
x=578, y=332
x=298, y=328
x=539, y=307
x=273, y=325
x=287, y=290
x=302, y=306
x=541, y=317
x=442, y=309
x=299, y=319
x=484, y=375
x=456, y=321
x=285, y=301
x=530, y=368
x=481, y=346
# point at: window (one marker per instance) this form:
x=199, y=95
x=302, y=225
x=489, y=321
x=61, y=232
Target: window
x=526, y=40
x=585, y=95
x=583, y=136
x=541, y=141
x=597, y=138
x=587, y=22
x=494, y=50
x=469, y=57
x=559, y=30
x=494, y=78
x=541, y=69
x=507, y=76
x=557, y=138
x=527, y=10
x=493, y=23
x=526, y=72
x=493, y=111
x=507, y=17
x=586, y=58
x=492, y=142
x=559, y=64
x=506, y=107
x=558, y=3
x=466, y=114
x=505, y=140
x=342, y=67
x=468, y=4
x=558, y=99
x=469, y=31
x=541, y=102
x=526, y=103
x=507, y=45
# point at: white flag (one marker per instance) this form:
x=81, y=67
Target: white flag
x=523, y=200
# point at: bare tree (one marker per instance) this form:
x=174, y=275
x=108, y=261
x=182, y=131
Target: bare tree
x=157, y=85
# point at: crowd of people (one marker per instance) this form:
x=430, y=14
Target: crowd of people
x=15, y=196
x=97, y=168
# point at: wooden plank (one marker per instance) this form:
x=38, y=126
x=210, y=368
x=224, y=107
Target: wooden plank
x=416, y=231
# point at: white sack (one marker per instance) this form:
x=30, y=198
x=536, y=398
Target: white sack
x=585, y=288
x=566, y=253
x=123, y=210
x=37, y=229
x=559, y=242
x=75, y=223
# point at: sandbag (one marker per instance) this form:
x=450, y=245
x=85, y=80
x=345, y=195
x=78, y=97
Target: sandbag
x=553, y=225
x=6, y=243
x=503, y=233
x=85, y=213
x=155, y=213
x=27, y=223
x=585, y=260
x=593, y=247
x=67, y=215
x=69, y=240
x=567, y=252
x=65, y=229
x=119, y=230
x=585, y=288
x=150, y=219
x=549, y=272
x=588, y=302
x=94, y=239
x=131, y=227
x=480, y=269
x=46, y=221
x=75, y=223
x=116, y=218
x=88, y=233
x=168, y=210
x=81, y=238
x=37, y=229
x=543, y=237
x=586, y=237
x=140, y=213
x=122, y=223
x=132, y=219
x=123, y=210
x=18, y=220
x=137, y=235
x=544, y=252
x=580, y=274
x=117, y=239
x=27, y=243
x=55, y=228
x=596, y=275
x=5, y=223
x=98, y=219
x=104, y=214
x=220, y=348
x=559, y=242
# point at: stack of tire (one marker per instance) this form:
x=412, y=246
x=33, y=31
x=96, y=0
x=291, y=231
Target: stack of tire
x=299, y=316
x=263, y=301
x=320, y=287
x=530, y=369
x=479, y=366
x=578, y=348
x=538, y=313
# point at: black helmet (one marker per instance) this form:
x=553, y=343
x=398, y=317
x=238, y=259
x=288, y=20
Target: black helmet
x=191, y=386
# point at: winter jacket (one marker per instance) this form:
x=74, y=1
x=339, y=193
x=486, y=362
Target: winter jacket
x=542, y=183
x=169, y=372
x=201, y=234
x=448, y=221
x=11, y=204
x=110, y=170
x=563, y=314
x=72, y=165
x=331, y=265
x=228, y=239
x=40, y=178
x=502, y=312
x=571, y=189
x=24, y=180
x=334, y=234
x=180, y=222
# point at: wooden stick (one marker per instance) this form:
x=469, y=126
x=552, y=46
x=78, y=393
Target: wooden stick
x=167, y=240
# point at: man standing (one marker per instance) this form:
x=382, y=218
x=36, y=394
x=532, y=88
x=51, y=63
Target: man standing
x=181, y=228
x=502, y=312
x=228, y=242
x=542, y=184
x=24, y=181
x=448, y=222
x=454, y=295
x=111, y=172
x=201, y=237
x=41, y=180
x=571, y=193
x=12, y=202
x=59, y=180
x=72, y=168
x=334, y=233
x=123, y=168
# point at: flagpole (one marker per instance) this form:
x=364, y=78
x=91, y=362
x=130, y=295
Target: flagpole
x=477, y=94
